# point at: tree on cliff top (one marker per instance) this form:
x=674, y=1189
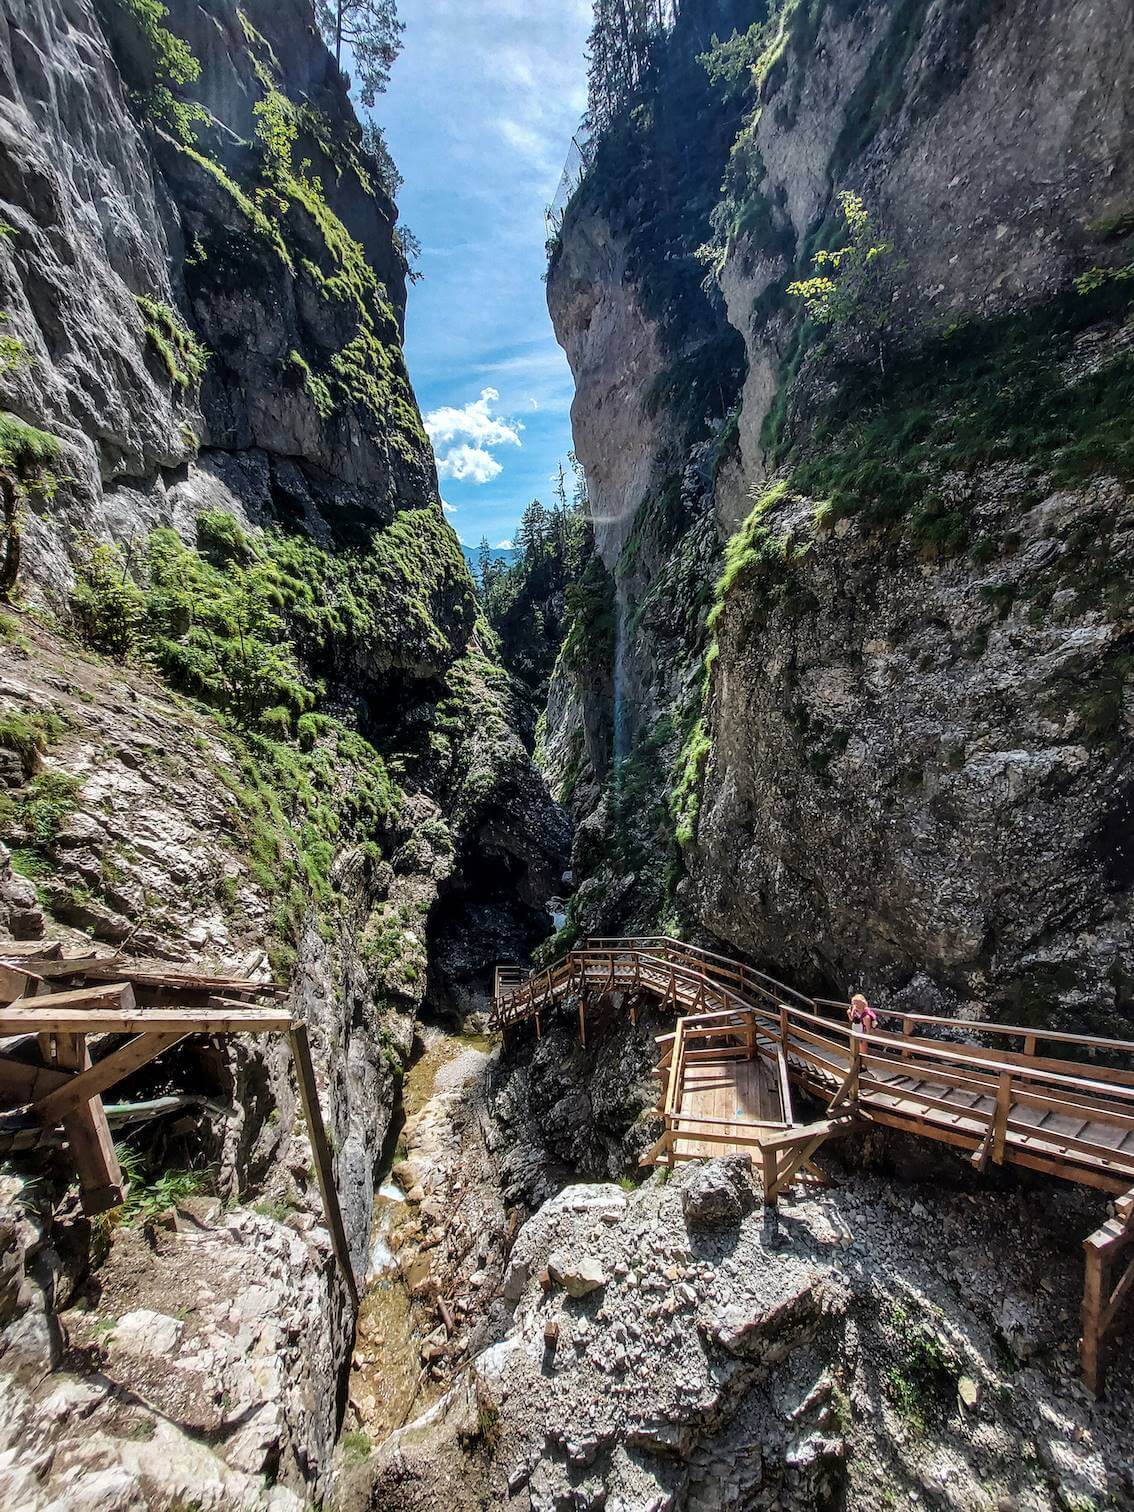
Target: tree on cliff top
x=372, y=33
x=621, y=52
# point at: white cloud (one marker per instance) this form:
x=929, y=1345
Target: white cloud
x=468, y=464
x=503, y=546
x=464, y=438
x=474, y=421
x=447, y=507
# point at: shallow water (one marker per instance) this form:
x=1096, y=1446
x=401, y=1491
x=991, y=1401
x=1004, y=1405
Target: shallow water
x=388, y=1384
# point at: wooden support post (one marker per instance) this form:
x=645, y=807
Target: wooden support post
x=907, y=1030
x=1029, y=1044
x=848, y=1091
x=88, y=1134
x=979, y=1157
x=582, y=1023
x=1102, y=1300
x=321, y=1154
x=750, y=1035
x=538, y=1029
x=89, y=1083
x=1003, y=1108
x=785, y=1026
x=769, y=1160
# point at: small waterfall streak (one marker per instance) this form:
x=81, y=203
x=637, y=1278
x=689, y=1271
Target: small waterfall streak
x=620, y=650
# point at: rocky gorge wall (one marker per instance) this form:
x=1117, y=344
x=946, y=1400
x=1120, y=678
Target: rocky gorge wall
x=250, y=718
x=871, y=673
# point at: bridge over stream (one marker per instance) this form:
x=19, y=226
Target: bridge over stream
x=1058, y=1103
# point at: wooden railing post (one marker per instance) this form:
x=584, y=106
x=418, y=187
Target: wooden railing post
x=1095, y=1296
x=1102, y=1298
x=907, y=1030
x=769, y=1160
x=1003, y=1106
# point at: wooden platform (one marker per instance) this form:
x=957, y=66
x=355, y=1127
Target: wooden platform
x=75, y=1024
x=1050, y=1101
x=732, y=1095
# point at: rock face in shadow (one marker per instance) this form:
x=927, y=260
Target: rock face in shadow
x=896, y=756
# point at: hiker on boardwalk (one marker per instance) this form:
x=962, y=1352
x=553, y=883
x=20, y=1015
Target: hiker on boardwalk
x=863, y=1018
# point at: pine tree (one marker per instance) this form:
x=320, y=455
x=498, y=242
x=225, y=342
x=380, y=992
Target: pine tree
x=372, y=33
x=531, y=537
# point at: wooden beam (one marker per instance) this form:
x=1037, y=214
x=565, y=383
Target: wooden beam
x=110, y=996
x=36, y=1016
x=40, y=950
x=321, y=1154
x=823, y=1128
x=103, y=1074
x=848, y=1090
x=16, y=981
x=88, y=1135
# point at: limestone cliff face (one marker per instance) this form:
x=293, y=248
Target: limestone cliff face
x=202, y=298
x=906, y=764
x=107, y=204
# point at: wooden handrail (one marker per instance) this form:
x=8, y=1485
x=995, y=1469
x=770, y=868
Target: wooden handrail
x=954, y=1062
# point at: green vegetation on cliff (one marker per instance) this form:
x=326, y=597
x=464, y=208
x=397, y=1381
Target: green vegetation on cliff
x=181, y=354
x=251, y=624
x=273, y=186
x=883, y=447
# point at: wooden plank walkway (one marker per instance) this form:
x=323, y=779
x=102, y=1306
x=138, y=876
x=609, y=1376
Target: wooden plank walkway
x=1049, y=1101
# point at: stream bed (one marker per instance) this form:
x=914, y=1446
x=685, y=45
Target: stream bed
x=390, y=1384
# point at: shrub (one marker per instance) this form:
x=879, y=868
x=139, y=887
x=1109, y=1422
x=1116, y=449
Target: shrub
x=29, y=735
x=26, y=451
x=46, y=802
x=182, y=355
x=221, y=539
x=146, y=1200
x=106, y=603
x=356, y=1446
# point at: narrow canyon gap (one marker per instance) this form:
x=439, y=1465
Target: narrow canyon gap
x=806, y=675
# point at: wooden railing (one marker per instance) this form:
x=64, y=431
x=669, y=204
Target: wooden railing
x=996, y=1101
x=1068, y=1112
x=727, y=1034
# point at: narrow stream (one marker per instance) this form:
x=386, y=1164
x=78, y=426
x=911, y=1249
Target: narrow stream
x=389, y=1384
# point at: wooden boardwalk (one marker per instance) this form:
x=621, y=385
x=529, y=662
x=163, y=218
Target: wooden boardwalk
x=1054, y=1102
x=58, y=1006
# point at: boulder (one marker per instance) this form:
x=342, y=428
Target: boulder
x=719, y=1192
x=578, y=1277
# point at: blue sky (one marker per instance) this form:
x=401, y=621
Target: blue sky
x=479, y=116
